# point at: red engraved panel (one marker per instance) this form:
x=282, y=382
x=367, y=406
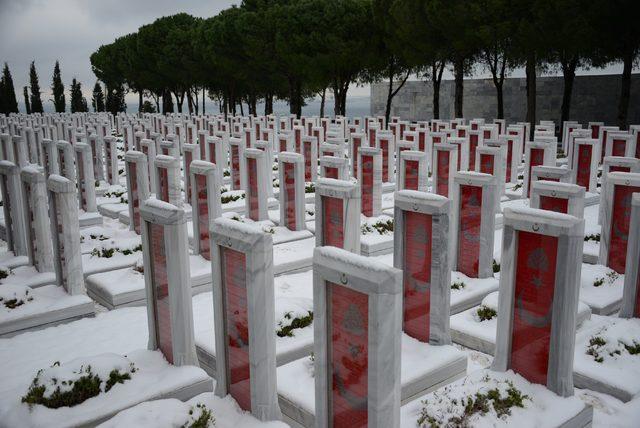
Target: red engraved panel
x=356, y=148
x=595, y=131
x=462, y=132
x=487, y=134
x=411, y=173
x=602, y=145
x=417, y=275
x=252, y=191
x=188, y=157
x=307, y=160
x=422, y=136
x=237, y=326
x=298, y=137
x=331, y=172
x=163, y=184
x=535, y=273
x=469, y=235
x=367, y=186
x=161, y=291
x=290, y=195
x=384, y=147
x=550, y=203
x=372, y=137
x=637, y=307
x=473, y=144
x=620, y=220
x=82, y=182
x=583, y=173
x=348, y=356
x=202, y=144
x=616, y=168
x=235, y=166
x=509, y=159
x=283, y=144
x=638, y=145
x=203, y=215
x=618, y=147
x=442, y=187
x=474, y=126
x=487, y=163
x=333, y=217
x=212, y=153
x=536, y=157
x=134, y=196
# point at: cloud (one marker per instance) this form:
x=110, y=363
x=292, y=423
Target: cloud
x=70, y=30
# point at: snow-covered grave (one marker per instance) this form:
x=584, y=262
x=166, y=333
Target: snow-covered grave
x=443, y=166
x=615, y=164
x=245, y=353
x=471, y=239
x=337, y=214
x=88, y=214
x=412, y=170
x=620, y=143
x=355, y=378
x=535, y=153
x=334, y=167
x=13, y=209
x=25, y=308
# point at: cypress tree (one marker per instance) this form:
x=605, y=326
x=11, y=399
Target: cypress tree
x=36, y=101
x=8, y=99
x=98, y=98
x=57, y=87
x=27, y=106
x=76, y=96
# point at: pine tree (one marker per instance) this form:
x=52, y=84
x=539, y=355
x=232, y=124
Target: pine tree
x=27, y=106
x=115, y=100
x=98, y=98
x=36, y=101
x=8, y=101
x=57, y=87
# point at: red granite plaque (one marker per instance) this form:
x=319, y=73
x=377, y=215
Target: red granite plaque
x=161, y=291
x=307, y=159
x=163, y=184
x=384, y=148
x=235, y=166
x=618, y=147
x=620, y=220
x=188, y=157
x=536, y=158
x=487, y=163
x=367, y=186
x=81, y=182
x=469, y=235
x=443, y=173
x=134, y=196
x=509, y=159
x=203, y=216
x=212, y=153
x=357, y=142
x=550, y=203
x=411, y=173
x=595, y=131
x=535, y=271
x=290, y=195
x=583, y=175
x=331, y=172
x=333, y=217
x=237, y=326
x=417, y=275
x=473, y=144
x=252, y=193
x=348, y=356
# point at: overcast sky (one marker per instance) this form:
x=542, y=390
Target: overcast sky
x=70, y=30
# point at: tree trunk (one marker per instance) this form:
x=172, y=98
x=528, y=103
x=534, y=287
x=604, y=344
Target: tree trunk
x=387, y=110
x=530, y=69
x=458, y=69
x=241, y=108
x=336, y=99
x=299, y=96
x=268, y=104
x=569, y=75
x=203, y=98
x=500, y=96
x=436, y=77
x=322, y=100
x=625, y=92
x=140, y=101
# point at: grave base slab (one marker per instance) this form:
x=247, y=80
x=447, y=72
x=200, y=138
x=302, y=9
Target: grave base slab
x=89, y=219
x=424, y=368
x=51, y=305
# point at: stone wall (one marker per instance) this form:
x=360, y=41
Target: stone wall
x=595, y=98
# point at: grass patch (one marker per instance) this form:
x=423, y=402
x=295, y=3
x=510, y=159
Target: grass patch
x=226, y=173
x=592, y=237
x=458, y=285
x=382, y=227
x=204, y=417
x=16, y=301
x=517, y=186
x=107, y=253
x=496, y=266
x=4, y=273
x=296, y=323
x=479, y=403
x=309, y=188
x=486, y=313
x=88, y=385
x=230, y=198
x=609, y=278
x=114, y=194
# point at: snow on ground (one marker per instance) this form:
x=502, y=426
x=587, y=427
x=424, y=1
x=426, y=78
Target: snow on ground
x=175, y=413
